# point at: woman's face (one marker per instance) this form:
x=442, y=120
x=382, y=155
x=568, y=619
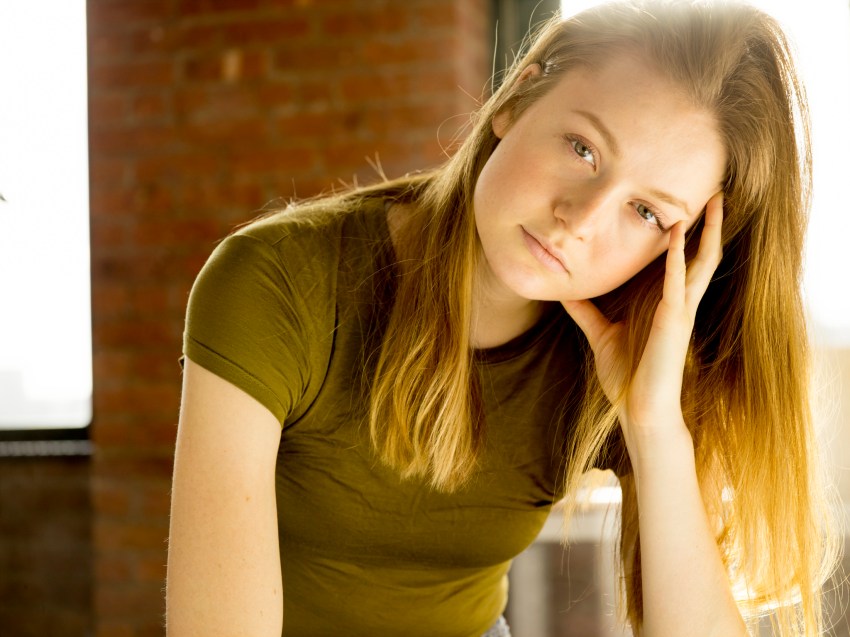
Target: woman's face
x=581, y=191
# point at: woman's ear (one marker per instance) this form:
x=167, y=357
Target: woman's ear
x=502, y=119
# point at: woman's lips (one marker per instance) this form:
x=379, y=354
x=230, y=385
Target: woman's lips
x=547, y=257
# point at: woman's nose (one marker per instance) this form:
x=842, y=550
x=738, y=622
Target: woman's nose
x=584, y=213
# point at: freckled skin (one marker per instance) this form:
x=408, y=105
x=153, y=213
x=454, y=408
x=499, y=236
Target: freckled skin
x=588, y=208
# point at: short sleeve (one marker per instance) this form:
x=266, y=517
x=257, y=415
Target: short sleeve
x=246, y=323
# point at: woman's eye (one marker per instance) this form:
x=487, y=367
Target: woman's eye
x=584, y=151
x=648, y=215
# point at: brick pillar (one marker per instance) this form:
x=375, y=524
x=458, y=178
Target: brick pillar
x=202, y=111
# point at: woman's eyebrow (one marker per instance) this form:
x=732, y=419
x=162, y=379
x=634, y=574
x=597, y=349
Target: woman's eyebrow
x=668, y=198
x=602, y=130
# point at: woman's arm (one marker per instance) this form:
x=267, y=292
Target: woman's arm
x=686, y=590
x=224, y=574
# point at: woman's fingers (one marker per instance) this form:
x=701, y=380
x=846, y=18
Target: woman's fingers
x=684, y=286
x=708, y=257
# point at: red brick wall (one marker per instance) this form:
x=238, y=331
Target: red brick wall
x=45, y=547
x=201, y=111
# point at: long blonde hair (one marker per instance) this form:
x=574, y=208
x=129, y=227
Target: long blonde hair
x=745, y=393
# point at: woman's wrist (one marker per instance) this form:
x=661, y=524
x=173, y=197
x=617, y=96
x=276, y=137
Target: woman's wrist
x=655, y=441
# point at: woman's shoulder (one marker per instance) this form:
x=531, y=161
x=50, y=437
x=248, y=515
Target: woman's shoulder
x=296, y=251
x=263, y=307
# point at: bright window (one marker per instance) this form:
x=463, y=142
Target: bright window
x=45, y=320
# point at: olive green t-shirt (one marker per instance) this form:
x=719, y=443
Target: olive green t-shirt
x=291, y=309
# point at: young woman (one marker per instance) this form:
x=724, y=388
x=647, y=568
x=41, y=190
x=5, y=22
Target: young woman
x=386, y=390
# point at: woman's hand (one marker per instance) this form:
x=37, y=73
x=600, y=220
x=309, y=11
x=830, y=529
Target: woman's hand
x=652, y=406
